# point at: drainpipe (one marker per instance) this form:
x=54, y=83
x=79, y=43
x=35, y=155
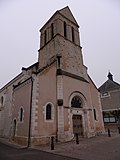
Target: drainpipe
x=56, y=112
x=29, y=125
x=59, y=101
x=56, y=102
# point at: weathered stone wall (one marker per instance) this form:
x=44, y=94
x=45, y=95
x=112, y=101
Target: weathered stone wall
x=21, y=99
x=47, y=94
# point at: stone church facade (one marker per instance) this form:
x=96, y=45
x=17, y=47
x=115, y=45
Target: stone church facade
x=55, y=96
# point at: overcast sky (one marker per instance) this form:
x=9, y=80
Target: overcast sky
x=99, y=21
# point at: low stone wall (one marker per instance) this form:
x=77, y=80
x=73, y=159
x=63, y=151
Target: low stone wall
x=42, y=140
x=21, y=140
x=34, y=140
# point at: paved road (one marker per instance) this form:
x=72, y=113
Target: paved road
x=97, y=148
x=10, y=153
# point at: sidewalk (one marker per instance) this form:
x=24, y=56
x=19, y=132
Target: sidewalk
x=95, y=148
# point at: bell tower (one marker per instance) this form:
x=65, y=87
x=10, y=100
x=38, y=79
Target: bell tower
x=60, y=36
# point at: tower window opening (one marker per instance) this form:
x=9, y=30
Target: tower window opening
x=73, y=36
x=2, y=99
x=52, y=30
x=45, y=37
x=65, y=30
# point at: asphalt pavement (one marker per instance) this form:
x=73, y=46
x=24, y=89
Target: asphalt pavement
x=9, y=152
x=100, y=147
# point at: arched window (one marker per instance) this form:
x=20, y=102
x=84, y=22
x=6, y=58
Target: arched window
x=76, y=102
x=14, y=128
x=21, y=114
x=48, y=112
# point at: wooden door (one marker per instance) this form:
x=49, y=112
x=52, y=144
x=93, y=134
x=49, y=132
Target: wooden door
x=77, y=125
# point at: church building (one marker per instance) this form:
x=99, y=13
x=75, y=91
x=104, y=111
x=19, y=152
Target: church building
x=55, y=96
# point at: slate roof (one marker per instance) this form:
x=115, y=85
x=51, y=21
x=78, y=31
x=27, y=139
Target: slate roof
x=109, y=85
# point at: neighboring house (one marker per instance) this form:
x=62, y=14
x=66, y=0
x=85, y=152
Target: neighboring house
x=110, y=100
x=55, y=96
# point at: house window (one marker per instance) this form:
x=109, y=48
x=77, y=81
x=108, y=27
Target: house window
x=21, y=114
x=111, y=116
x=94, y=111
x=52, y=30
x=45, y=37
x=109, y=120
x=73, y=37
x=105, y=94
x=76, y=102
x=65, y=30
x=48, y=112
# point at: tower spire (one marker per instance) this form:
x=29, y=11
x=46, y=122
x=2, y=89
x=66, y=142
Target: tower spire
x=110, y=76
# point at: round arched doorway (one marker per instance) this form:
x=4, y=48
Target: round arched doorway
x=77, y=103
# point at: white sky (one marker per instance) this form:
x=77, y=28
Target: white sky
x=99, y=21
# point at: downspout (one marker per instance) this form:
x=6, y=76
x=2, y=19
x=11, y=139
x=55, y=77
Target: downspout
x=58, y=72
x=56, y=111
x=56, y=101
x=29, y=130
